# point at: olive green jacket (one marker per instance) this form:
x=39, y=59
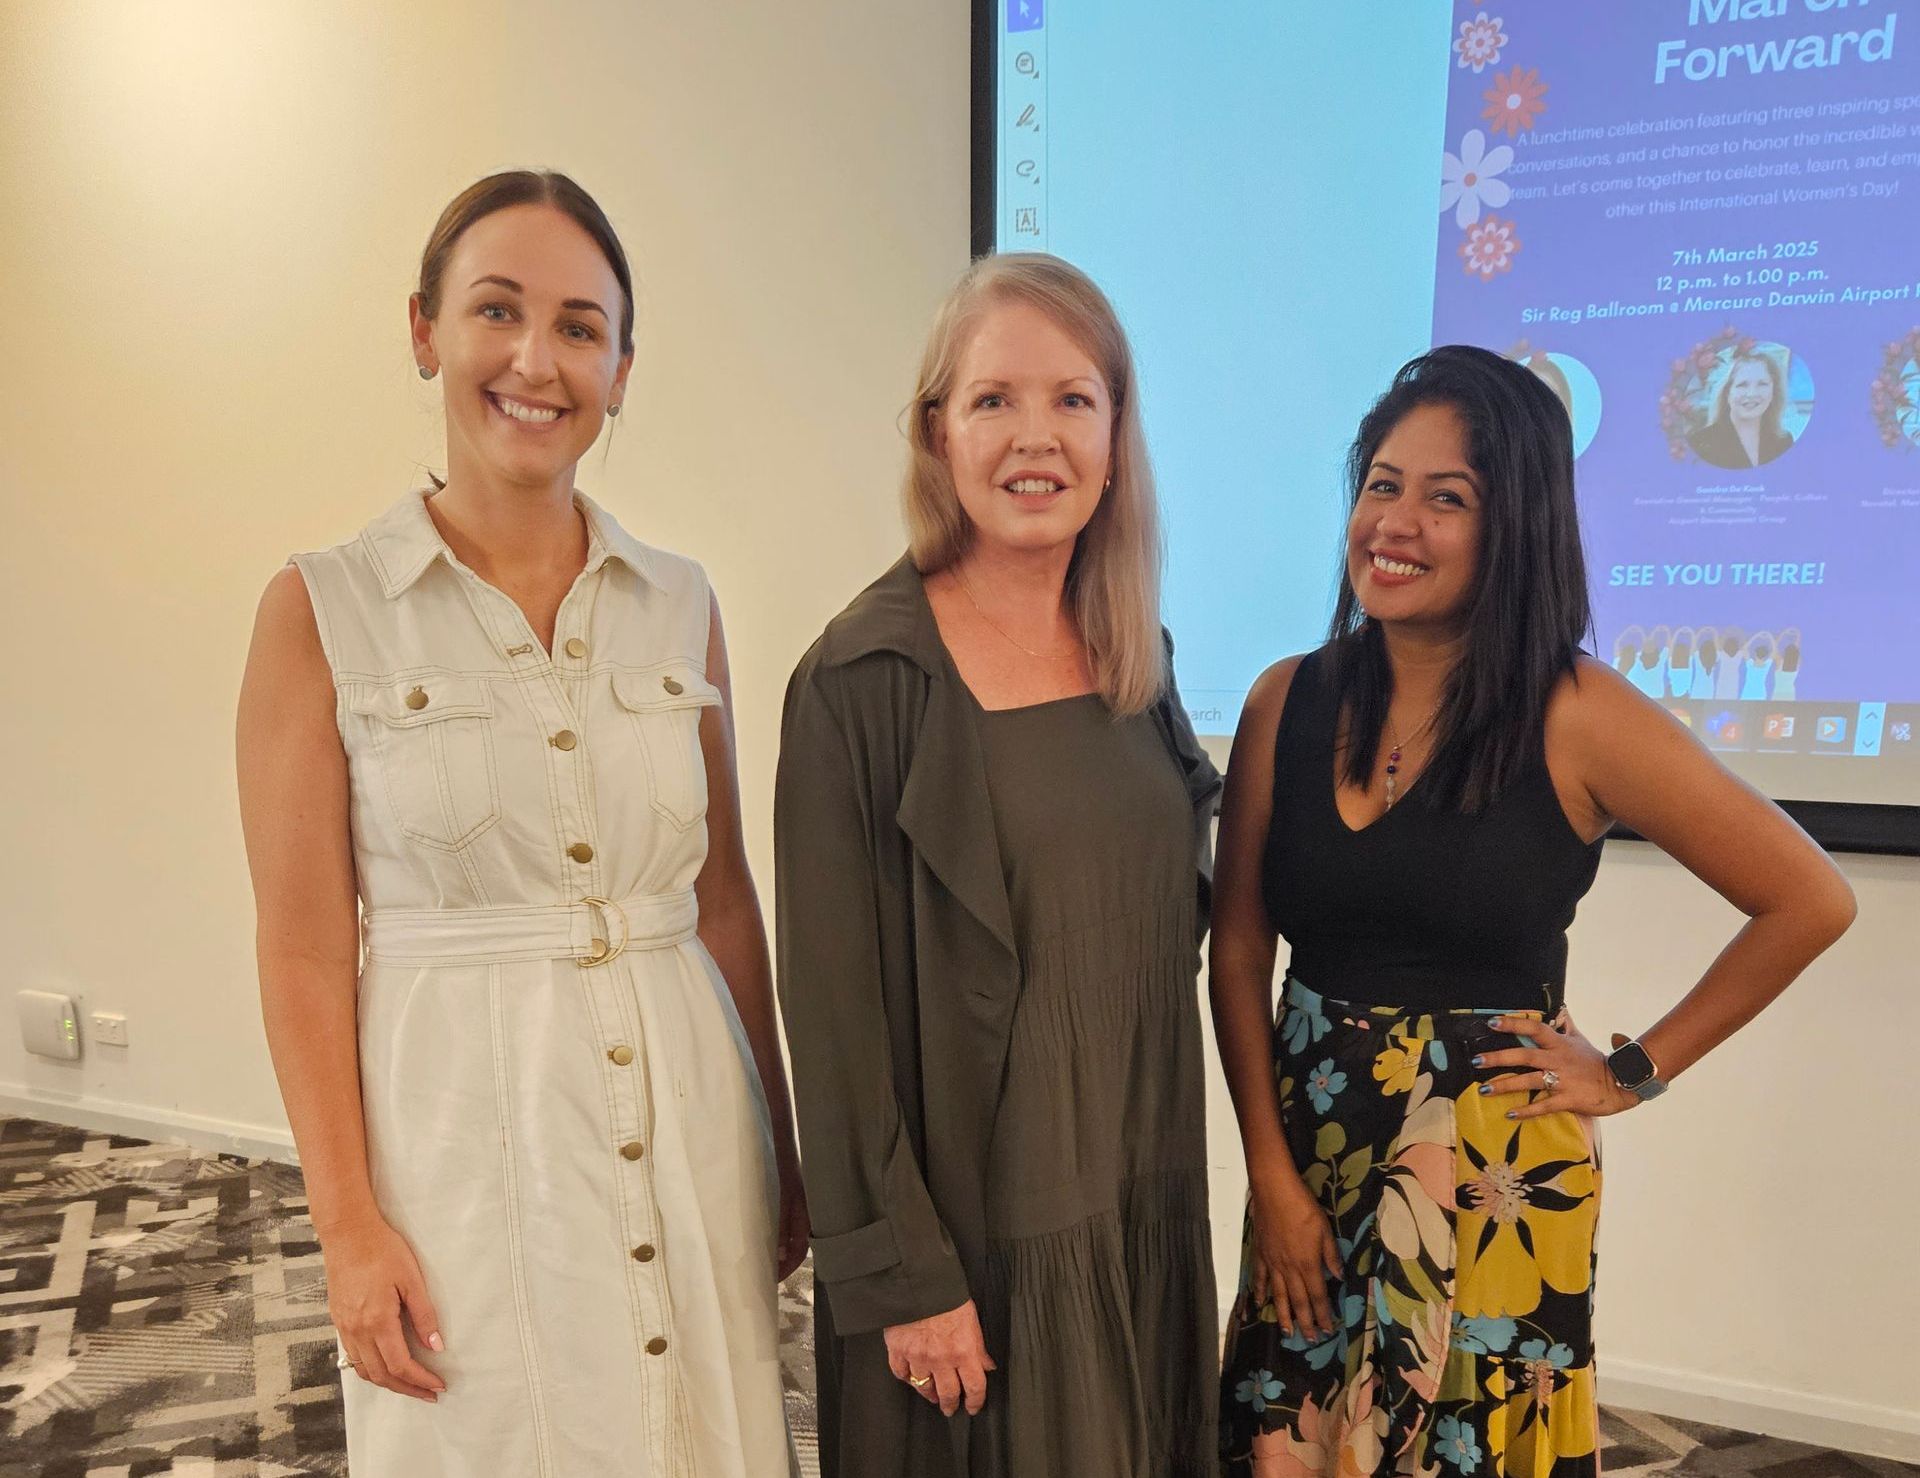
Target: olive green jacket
x=898, y=967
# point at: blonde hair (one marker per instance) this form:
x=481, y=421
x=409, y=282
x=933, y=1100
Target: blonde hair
x=1776, y=376
x=1113, y=583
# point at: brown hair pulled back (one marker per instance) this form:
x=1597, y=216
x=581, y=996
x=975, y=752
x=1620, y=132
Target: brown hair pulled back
x=524, y=187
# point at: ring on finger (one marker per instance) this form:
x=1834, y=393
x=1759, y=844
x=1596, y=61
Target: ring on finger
x=1550, y=1080
x=919, y=1382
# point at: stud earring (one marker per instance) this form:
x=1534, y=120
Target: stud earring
x=614, y=409
x=425, y=373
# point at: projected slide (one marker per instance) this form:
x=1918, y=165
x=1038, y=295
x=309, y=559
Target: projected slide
x=1697, y=225
x=1697, y=221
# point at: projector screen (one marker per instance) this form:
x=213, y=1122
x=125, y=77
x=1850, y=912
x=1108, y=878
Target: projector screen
x=1698, y=221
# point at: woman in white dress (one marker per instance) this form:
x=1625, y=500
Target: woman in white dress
x=534, y=1082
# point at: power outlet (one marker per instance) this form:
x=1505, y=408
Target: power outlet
x=109, y=1029
x=49, y=1025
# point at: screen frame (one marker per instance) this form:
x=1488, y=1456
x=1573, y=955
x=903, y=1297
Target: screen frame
x=1838, y=826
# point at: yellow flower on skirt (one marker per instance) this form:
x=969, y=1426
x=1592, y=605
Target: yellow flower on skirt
x=1545, y=1414
x=1528, y=1198
x=1398, y=1063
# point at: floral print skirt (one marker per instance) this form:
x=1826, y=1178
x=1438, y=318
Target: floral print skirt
x=1464, y=1303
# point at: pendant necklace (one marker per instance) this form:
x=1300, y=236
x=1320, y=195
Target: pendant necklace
x=1393, y=754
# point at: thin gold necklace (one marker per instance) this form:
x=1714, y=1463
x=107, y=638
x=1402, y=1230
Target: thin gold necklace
x=1043, y=656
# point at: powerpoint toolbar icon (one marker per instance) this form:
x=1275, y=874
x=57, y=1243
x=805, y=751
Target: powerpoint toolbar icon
x=1026, y=15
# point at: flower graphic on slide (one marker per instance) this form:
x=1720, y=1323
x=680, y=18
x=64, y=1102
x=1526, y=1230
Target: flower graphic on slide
x=1894, y=397
x=1489, y=248
x=1480, y=42
x=1471, y=178
x=1514, y=101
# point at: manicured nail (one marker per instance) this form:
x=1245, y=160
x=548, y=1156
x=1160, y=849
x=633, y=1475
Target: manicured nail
x=1485, y=1087
x=1497, y=1022
x=1480, y=1062
x=1511, y=1114
x=435, y=1343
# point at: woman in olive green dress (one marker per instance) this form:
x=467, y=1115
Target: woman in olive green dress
x=990, y=837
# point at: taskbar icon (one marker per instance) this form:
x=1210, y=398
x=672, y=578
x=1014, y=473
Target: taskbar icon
x=1865, y=730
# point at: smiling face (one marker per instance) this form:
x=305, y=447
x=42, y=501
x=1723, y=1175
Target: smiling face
x=1026, y=431
x=527, y=344
x=1413, y=541
x=1750, y=390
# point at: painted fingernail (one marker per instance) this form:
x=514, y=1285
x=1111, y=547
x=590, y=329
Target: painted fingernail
x=1498, y=1022
x=1512, y=1114
x=1485, y=1087
x=1480, y=1062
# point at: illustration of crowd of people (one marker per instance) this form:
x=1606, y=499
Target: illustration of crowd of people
x=1722, y=663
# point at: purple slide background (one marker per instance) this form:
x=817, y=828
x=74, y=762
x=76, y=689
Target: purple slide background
x=1860, y=632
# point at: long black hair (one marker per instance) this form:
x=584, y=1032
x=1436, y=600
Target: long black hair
x=1528, y=614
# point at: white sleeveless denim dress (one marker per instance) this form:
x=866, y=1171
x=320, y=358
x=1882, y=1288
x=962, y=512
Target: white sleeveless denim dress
x=562, y=1113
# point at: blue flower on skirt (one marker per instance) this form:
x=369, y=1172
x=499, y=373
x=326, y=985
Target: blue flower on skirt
x=1259, y=1390
x=1322, y=1083
x=1323, y=1350
x=1559, y=1357
x=1300, y=1026
x=1483, y=1335
x=1454, y=1444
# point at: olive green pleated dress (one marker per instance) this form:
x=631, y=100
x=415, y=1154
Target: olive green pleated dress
x=1099, y=1304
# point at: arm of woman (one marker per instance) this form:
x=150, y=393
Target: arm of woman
x=1623, y=758
x=886, y=1261
x=1293, y=1241
x=735, y=934
x=293, y=811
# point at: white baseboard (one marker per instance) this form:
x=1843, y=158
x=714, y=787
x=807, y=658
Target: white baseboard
x=1825, y=1421
x=222, y=1136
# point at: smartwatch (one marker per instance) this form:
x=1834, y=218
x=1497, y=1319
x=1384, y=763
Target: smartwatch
x=1634, y=1071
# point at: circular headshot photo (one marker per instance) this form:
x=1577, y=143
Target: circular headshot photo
x=1572, y=382
x=1750, y=405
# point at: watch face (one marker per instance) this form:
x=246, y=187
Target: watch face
x=1631, y=1065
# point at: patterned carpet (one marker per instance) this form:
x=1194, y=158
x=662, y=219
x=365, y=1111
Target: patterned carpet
x=162, y=1312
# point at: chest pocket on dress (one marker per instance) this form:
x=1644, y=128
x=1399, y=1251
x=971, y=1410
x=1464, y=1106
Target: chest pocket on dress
x=663, y=704
x=434, y=741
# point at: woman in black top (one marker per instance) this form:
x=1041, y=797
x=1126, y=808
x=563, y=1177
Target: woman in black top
x=1418, y=807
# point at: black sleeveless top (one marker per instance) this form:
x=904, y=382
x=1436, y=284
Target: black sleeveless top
x=1425, y=908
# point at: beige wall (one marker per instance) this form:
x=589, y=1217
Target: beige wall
x=211, y=214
